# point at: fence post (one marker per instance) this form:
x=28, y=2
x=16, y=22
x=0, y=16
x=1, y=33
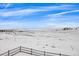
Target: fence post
x=8, y=52
x=20, y=48
x=31, y=51
x=44, y=53
x=60, y=54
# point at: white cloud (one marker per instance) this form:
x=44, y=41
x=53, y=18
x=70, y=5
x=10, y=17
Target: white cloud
x=61, y=20
x=58, y=7
x=20, y=12
x=62, y=13
x=7, y=5
x=50, y=21
x=11, y=25
x=32, y=10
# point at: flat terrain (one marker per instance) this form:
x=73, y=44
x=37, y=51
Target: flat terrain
x=55, y=41
x=22, y=54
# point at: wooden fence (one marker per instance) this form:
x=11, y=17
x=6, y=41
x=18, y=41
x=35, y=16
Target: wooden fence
x=30, y=51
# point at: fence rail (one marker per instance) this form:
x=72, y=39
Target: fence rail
x=30, y=51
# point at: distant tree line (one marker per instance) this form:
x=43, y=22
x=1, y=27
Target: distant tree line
x=6, y=30
x=67, y=28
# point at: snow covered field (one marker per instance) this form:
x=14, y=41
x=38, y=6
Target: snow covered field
x=23, y=54
x=55, y=41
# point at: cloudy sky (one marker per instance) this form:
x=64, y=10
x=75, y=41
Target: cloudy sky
x=38, y=15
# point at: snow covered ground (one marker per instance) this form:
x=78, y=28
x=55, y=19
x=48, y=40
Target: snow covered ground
x=55, y=41
x=22, y=54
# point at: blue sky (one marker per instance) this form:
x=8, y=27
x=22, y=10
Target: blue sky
x=38, y=15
